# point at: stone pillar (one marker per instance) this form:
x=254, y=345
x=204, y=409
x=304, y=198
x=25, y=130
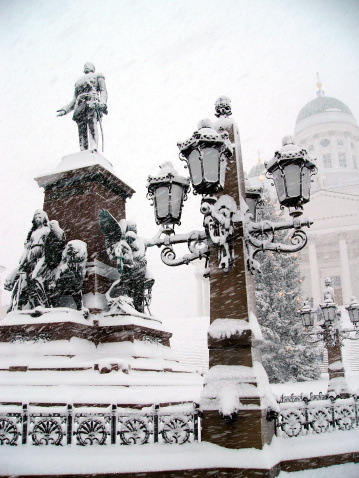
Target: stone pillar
x=345, y=269
x=199, y=287
x=82, y=185
x=314, y=272
x=206, y=295
x=337, y=380
x=236, y=378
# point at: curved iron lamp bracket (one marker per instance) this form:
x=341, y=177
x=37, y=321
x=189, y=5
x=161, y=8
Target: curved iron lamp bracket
x=259, y=236
x=220, y=216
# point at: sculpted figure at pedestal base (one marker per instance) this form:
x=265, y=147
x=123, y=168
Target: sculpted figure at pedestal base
x=89, y=104
x=129, y=250
x=48, y=268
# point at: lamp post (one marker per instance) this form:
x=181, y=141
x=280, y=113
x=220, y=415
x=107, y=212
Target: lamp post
x=234, y=395
x=332, y=334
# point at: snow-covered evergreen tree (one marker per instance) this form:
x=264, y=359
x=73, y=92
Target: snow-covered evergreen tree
x=287, y=355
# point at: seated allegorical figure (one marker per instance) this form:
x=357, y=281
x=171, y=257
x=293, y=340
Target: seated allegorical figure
x=129, y=250
x=48, y=268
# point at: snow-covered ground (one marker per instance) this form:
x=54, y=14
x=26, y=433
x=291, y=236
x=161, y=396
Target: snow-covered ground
x=349, y=470
x=154, y=457
x=96, y=459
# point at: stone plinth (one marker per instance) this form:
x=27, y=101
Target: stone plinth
x=57, y=339
x=75, y=192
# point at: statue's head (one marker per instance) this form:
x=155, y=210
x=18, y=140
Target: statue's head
x=328, y=281
x=40, y=218
x=89, y=67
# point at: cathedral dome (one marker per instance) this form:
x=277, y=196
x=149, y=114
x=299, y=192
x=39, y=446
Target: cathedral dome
x=257, y=170
x=322, y=104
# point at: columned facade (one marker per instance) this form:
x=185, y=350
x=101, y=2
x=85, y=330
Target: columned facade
x=327, y=129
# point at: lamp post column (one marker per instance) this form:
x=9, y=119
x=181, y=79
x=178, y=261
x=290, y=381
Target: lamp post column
x=344, y=262
x=236, y=392
x=337, y=381
x=314, y=270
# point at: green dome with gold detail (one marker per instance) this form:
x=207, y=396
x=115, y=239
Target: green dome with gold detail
x=322, y=104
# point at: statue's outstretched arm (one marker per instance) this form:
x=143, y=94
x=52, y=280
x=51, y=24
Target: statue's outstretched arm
x=66, y=109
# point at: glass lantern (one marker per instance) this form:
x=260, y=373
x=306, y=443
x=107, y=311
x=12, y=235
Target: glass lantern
x=307, y=315
x=291, y=169
x=206, y=154
x=253, y=198
x=353, y=310
x=168, y=190
x=329, y=309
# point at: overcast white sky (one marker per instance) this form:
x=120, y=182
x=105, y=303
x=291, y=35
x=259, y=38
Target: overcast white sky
x=165, y=63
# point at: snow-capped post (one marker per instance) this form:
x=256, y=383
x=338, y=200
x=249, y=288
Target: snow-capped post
x=331, y=333
x=236, y=396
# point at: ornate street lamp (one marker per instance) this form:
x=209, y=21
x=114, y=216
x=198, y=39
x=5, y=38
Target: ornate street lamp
x=168, y=190
x=330, y=324
x=353, y=310
x=206, y=154
x=291, y=169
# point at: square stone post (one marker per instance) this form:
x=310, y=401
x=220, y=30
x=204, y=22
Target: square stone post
x=236, y=377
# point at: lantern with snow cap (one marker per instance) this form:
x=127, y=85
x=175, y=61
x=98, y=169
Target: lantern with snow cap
x=307, y=315
x=329, y=309
x=291, y=169
x=253, y=198
x=353, y=310
x=168, y=190
x=206, y=154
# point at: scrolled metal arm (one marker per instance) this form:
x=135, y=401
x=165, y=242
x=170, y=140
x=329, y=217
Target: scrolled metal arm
x=315, y=337
x=196, y=242
x=260, y=236
x=345, y=334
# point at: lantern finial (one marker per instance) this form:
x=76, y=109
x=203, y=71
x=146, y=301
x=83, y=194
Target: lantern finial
x=223, y=107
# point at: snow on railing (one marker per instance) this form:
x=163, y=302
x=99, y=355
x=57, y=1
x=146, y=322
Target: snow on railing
x=307, y=414
x=51, y=424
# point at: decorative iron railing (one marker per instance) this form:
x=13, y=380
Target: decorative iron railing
x=310, y=414
x=50, y=424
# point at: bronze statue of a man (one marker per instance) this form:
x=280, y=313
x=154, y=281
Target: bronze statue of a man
x=89, y=104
